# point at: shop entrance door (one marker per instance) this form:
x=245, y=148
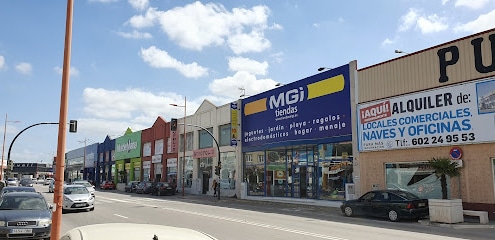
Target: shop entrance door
x=303, y=183
x=206, y=182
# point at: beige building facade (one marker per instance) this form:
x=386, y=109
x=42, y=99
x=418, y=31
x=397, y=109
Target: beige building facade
x=438, y=102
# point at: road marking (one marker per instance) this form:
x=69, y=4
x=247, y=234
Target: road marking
x=120, y=216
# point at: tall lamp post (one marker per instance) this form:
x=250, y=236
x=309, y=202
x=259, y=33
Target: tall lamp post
x=3, y=146
x=84, y=159
x=184, y=145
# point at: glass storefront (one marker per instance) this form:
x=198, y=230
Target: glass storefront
x=415, y=177
x=317, y=172
x=227, y=172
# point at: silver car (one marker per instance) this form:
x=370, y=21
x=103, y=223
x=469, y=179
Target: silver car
x=77, y=197
x=88, y=185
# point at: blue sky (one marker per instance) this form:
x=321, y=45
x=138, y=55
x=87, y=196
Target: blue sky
x=132, y=58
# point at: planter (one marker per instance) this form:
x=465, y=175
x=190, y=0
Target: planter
x=446, y=210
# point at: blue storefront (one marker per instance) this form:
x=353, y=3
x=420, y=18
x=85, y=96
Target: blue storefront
x=106, y=164
x=297, y=139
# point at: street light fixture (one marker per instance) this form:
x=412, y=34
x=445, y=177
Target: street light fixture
x=3, y=146
x=400, y=51
x=323, y=68
x=184, y=145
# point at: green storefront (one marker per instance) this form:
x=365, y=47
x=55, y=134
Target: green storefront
x=128, y=157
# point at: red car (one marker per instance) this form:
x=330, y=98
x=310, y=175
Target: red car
x=107, y=185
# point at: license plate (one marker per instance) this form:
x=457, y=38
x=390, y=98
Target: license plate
x=80, y=204
x=421, y=204
x=20, y=231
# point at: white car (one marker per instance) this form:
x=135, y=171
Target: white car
x=132, y=231
x=88, y=185
x=12, y=182
x=77, y=197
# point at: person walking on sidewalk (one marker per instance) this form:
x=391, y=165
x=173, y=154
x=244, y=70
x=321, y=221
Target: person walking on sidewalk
x=214, y=186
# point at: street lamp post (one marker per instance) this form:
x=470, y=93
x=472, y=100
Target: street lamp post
x=84, y=159
x=3, y=146
x=184, y=145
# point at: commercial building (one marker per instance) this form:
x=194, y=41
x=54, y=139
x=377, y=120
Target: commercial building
x=201, y=151
x=297, y=139
x=106, y=162
x=437, y=102
x=128, y=157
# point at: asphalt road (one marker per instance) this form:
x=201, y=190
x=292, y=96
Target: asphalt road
x=248, y=220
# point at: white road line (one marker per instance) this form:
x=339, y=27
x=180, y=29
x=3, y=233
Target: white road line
x=120, y=216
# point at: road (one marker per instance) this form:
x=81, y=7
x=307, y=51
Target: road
x=248, y=220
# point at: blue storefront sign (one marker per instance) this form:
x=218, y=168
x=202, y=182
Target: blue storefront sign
x=316, y=107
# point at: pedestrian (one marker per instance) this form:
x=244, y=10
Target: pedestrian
x=214, y=187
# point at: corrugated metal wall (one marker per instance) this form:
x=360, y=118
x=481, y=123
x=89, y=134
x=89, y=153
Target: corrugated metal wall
x=421, y=70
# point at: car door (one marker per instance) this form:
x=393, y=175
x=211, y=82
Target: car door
x=363, y=206
x=380, y=204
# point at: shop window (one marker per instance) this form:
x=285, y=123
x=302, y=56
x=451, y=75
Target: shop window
x=228, y=175
x=254, y=174
x=334, y=169
x=225, y=137
x=248, y=158
x=261, y=158
x=417, y=178
x=189, y=142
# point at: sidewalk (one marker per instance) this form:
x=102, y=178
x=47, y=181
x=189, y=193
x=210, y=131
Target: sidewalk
x=469, y=222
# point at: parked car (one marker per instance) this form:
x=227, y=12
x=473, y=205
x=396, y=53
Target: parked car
x=107, y=185
x=392, y=204
x=162, y=188
x=87, y=184
x=144, y=187
x=131, y=186
x=12, y=182
x=16, y=189
x=26, y=182
x=29, y=216
x=77, y=197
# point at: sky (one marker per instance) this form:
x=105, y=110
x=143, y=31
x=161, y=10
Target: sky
x=131, y=59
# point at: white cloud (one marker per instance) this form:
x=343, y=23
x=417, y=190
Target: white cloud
x=24, y=68
x=278, y=57
x=2, y=63
x=148, y=20
x=444, y=2
x=248, y=42
x=431, y=24
x=316, y=25
x=248, y=65
x=388, y=41
x=483, y=22
x=408, y=20
x=276, y=26
x=73, y=71
x=228, y=87
x=426, y=24
x=161, y=59
x=473, y=4
x=139, y=4
x=199, y=25
x=135, y=35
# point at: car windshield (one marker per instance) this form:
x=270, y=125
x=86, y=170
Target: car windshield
x=86, y=184
x=75, y=190
x=26, y=181
x=11, y=179
x=22, y=203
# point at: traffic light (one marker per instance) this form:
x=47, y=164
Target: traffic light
x=10, y=165
x=72, y=126
x=217, y=170
x=173, y=125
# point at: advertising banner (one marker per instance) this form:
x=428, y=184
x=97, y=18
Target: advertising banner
x=128, y=146
x=460, y=114
x=312, y=108
x=233, y=123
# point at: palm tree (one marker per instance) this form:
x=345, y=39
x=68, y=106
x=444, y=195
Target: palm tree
x=444, y=167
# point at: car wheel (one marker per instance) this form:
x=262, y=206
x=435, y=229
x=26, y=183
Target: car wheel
x=92, y=209
x=393, y=215
x=348, y=211
x=64, y=211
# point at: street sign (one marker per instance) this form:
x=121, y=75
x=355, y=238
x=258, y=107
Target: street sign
x=456, y=153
